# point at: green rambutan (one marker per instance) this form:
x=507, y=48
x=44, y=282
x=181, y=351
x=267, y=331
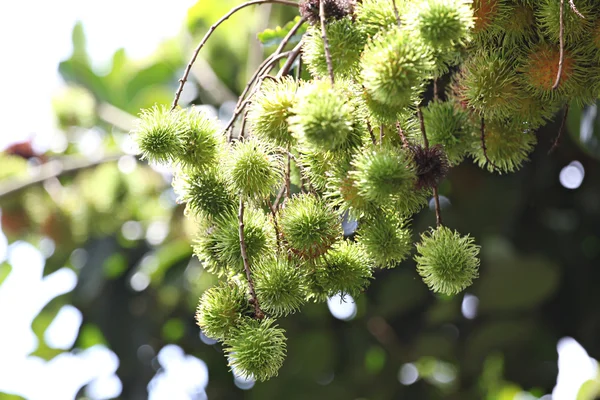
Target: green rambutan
x=157, y=134
x=309, y=226
x=221, y=309
x=256, y=349
x=447, y=261
x=272, y=105
x=200, y=137
x=253, y=168
x=279, y=285
x=386, y=238
x=206, y=192
x=575, y=27
x=508, y=144
x=374, y=16
x=394, y=68
x=346, y=43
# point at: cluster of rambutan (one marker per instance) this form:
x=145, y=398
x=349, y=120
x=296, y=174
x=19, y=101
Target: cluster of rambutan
x=366, y=147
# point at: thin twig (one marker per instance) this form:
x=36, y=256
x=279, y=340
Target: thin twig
x=326, y=41
x=483, y=146
x=258, y=314
x=212, y=28
x=575, y=10
x=278, y=198
x=293, y=55
x=436, y=196
x=423, y=133
x=561, y=40
x=396, y=13
x=288, y=171
x=560, y=130
x=405, y=143
x=381, y=135
x=370, y=128
x=53, y=169
x=303, y=173
x=275, y=225
x=435, y=89
x=244, y=119
x=299, y=70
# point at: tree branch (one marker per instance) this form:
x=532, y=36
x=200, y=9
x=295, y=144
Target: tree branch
x=258, y=314
x=325, y=41
x=560, y=130
x=483, y=146
x=575, y=10
x=53, y=169
x=436, y=196
x=212, y=28
x=561, y=38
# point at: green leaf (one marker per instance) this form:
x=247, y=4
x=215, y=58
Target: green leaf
x=273, y=37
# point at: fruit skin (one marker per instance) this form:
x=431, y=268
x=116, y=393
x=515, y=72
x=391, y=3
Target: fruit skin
x=253, y=168
x=256, y=349
x=221, y=309
x=205, y=191
x=201, y=139
x=508, y=145
x=394, y=67
x=374, y=16
x=447, y=261
x=547, y=13
x=270, y=110
x=157, y=134
x=386, y=238
x=309, y=226
x=280, y=286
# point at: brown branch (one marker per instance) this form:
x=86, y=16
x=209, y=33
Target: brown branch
x=278, y=198
x=370, y=128
x=396, y=13
x=244, y=119
x=53, y=169
x=381, y=135
x=258, y=314
x=560, y=130
x=294, y=53
x=212, y=28
x=301, y=168
x=275, y=225
x=326, y=41
x=435, y=89
x=288, y=171
x=405, y=143
x=436, y=196
x=561, y=40
x=575, y=10
x=483, y=146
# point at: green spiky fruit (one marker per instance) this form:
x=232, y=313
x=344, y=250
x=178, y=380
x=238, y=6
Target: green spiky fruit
x=206, y=192
x=489, y=16
x=221, y=309
x=448, y=125
x=394, y=66
x=317, y=165
x=157, y=134
x=508, y=145
x=383, y=174
x=256, y=349
x=345, y=46
x=374, y=16
x=253, y=168
x=309, y=226
x=344, y=269
x=279, y=286
x=269, y=112
x=200, y=138
x=575, y=27
x=442, y=24
x=205, y=248
x=447, y=261
x=386, y=238
x=325, y=118
x=258, y=235
x=519, y=28
x=490, y=85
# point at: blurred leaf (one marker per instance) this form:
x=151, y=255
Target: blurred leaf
x=6, y=396
x=273, y=37
x=89, y=336
x=167, y=256
x=399, y=293
x=173, y=330
x=374, y=360
x=155, y=74
x=114, y=266
x=5, y=269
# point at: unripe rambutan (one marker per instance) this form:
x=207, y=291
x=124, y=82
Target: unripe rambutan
x=200, y=138
x=519, y=28
x=309, y=226
x=448, y=125
x=374, y=16
x=206, y=192
x=489, y=84
x=221, y=309
x=317, y=165
x=386, y=238
x=540, y=67
x=346, y=43
x=394, y=67
x=256, y=349
x=326, y=118
x=442, y=24
x=489, y=16
x=344, y=269
x=383, y=174
x=280, y=286
x=447, y=261
x=508, y=144
x=205, y=248
x=575, y=27
x=270, y=109
x=334, y=9
x=253, y=168
x=157, y=134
